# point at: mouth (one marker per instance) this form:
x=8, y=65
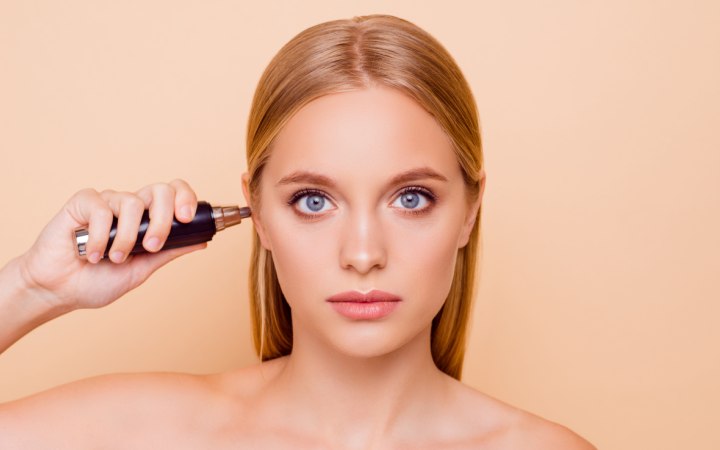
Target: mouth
x=369, y=306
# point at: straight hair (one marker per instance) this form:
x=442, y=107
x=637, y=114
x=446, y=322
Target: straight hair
x=354, y=54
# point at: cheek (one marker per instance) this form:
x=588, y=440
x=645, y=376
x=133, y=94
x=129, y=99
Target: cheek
x=426, y=262
x=420, y=258
x=302, y=258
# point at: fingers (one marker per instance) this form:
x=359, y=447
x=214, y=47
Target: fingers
x=128, y=208
x=87, y=207
x=185, y=200
x=160, y=199
x=164, y=201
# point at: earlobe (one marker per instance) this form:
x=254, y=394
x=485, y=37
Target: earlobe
x=264, y=241
x=472, y=213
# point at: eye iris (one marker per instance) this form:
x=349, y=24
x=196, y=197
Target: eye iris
x=315, y=202
x=410, y=200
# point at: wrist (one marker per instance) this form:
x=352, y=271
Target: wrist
x=31, y=301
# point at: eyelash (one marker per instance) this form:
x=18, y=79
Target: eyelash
x=432, y=199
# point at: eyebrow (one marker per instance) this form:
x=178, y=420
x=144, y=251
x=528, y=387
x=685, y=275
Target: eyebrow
x=303, y=176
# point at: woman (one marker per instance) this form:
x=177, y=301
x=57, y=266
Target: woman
x=365, y=179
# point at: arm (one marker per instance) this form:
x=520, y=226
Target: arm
x=21, y=306
x=50, y=280
x=115, y=411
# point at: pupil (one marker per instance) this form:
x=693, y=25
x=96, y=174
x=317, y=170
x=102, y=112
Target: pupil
x=410, y=200
x=315, y=203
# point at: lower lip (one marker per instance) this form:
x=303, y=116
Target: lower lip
x=364, y=310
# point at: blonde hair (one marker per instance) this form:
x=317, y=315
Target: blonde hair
x=345, y=55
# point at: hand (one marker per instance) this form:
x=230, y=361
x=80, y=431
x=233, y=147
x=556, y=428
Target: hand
x=53, y=270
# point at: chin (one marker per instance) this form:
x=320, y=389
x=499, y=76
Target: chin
x=369, y=343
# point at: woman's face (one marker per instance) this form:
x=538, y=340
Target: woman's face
x=362, y=191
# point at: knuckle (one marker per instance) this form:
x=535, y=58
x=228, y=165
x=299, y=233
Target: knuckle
x=82, y=196
x=87, y=192
x=162, y=189
x=103, y=214
x=134, y=202
x=181, y=186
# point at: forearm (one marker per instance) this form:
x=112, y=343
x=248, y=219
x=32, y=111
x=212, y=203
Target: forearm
x=23, y=307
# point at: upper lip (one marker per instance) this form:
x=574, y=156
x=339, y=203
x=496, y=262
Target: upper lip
x=372, y=296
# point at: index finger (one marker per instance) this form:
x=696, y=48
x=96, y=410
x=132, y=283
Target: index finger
x=185, y=200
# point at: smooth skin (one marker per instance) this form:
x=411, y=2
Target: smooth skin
x=334, y=222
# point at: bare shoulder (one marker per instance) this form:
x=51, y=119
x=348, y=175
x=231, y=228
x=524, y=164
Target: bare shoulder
x=95, y=410
x=247, y=382
x=538, y=433
x=503, y=426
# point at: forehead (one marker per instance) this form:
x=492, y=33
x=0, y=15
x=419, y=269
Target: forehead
x=361, y=134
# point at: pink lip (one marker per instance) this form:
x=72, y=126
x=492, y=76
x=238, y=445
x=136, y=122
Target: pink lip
x=373, y=305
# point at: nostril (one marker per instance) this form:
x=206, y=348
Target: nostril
x=362, y=244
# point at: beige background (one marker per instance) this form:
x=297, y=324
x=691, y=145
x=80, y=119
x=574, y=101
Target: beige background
x=598, y=302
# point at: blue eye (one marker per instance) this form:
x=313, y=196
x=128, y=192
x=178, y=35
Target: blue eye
x=309, y=202
x=414, y=199
x=314, y=203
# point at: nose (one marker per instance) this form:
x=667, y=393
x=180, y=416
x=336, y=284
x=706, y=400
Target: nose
x=362, y=244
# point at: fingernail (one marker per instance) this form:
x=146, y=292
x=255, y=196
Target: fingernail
x=94, y=257
x=185, y=212
x=117, y=256
x=152, y=244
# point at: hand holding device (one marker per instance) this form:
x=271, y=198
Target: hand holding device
x=208, y=220
x=59, y=279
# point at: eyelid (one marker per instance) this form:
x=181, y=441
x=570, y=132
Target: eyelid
x=431, y=197
x=304, y=192
x=417, y=189
x=307, y=191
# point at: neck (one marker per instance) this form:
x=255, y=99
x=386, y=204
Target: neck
x=354, y=400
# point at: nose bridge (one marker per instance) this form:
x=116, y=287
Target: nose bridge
x=363, y=241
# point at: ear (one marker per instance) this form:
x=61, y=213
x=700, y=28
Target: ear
x=255, y=210
x=471, y=216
